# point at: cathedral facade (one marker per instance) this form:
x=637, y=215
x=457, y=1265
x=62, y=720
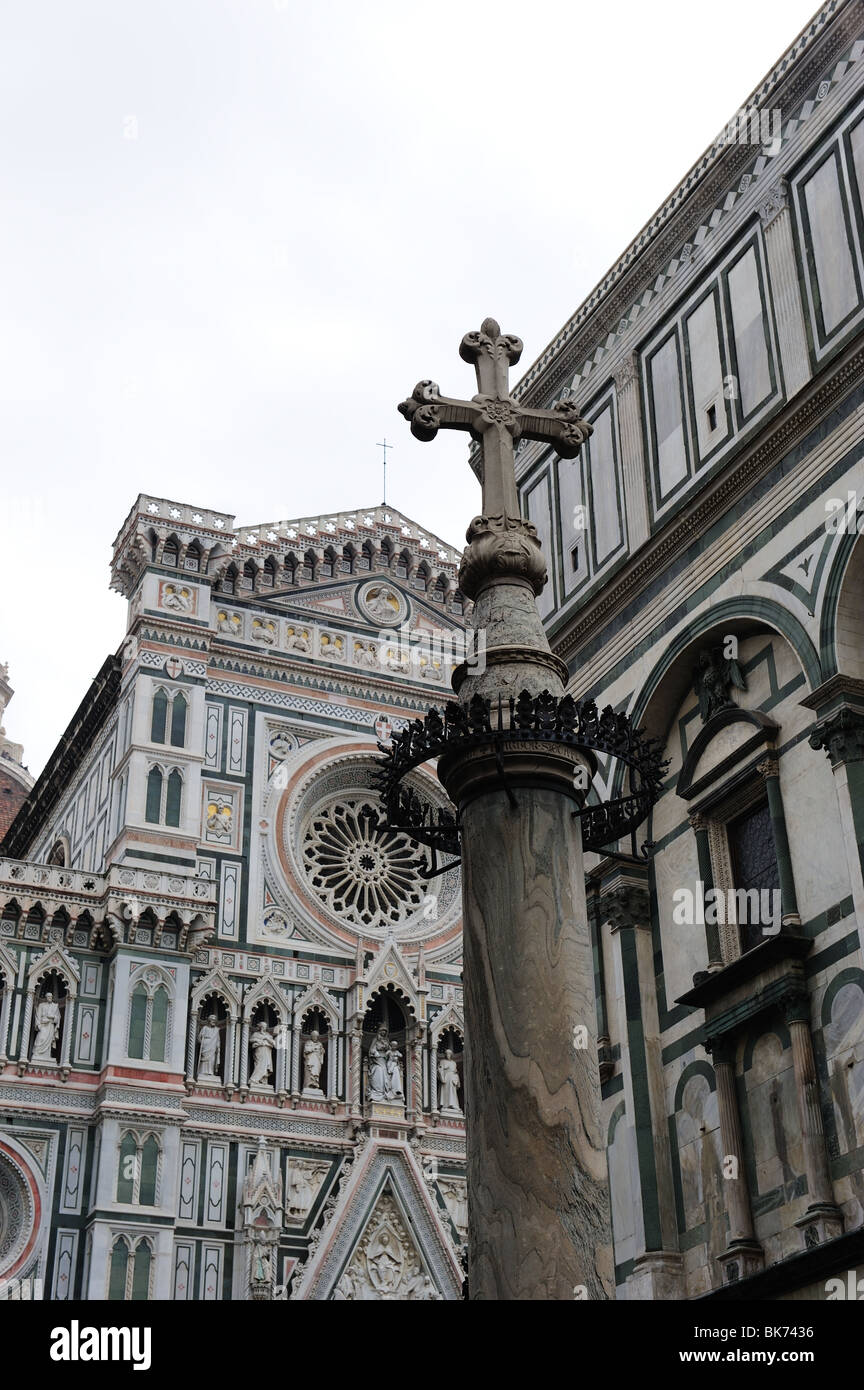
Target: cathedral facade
x=230, y=1001
x=231, y=1028
x=707, y=579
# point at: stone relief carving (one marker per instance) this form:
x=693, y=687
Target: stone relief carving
x=304, y=1183
x=386, y=1265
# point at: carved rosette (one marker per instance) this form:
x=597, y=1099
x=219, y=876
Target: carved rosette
x=501, y=548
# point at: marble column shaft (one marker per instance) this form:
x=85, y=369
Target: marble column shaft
x=736, y=1188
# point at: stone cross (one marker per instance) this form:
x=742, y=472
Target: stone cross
x=539, y=1219
x=493, y=417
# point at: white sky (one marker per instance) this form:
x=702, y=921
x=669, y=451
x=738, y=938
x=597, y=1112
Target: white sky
x=234, y=235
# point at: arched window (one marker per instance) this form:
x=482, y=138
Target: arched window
x=348, y=557
x=366, y=556
x=149, y=1018
x=290, y=570
x=159, y=717
x=159, y=1025
x=229, y=580
x=458, y=604
x=327, y=564
x=308, y=571
x=402, y=565
x=249, y=573
x=178, y=720
x=153, y=809
x=192, y=558
x=128, y=1169
x=170, y=552
x=119, y=1270
x=129, y=1277
x=138, y=1170
x=142, y=1260
x=421, y=579
x=439, y=593
x=58, y=854
x=268, y=573
x=173, y=798
x=387, y=552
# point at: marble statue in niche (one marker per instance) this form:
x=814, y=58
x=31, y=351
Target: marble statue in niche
x=209, y=1050
x=448, y=1080
x=262, y=1045
x=313, y=1061
x=47, y=1029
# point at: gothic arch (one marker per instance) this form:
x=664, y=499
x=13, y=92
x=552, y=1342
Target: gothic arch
x=216, y=983
x=312, y=999
x=265, y=993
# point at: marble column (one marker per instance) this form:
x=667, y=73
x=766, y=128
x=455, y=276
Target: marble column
x=743, y=1254
x=539, y=1218
x=629, y=404
x=769, y=771
x=840, y=733
x=706, y=874
x=776, y=217
x=823, y=1219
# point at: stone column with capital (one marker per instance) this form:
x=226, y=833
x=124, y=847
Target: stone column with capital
x=776, y=220
x=840, y=734
x=769, y=771
x=539, y=1220
x=743, y=1254
x=823, y=1219
x=706, y=875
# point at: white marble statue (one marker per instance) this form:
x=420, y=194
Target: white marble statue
x=381, y=604
x=47, y=1029
x=208, y=1055
x=378, y=1065
x=395, y=1089
x=313, y=1061
x=262, y=1048
x=448, y=1079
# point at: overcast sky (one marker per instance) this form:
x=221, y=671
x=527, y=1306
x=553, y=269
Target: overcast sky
x=235, y=234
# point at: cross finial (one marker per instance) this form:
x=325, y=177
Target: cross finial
x=493, y=418
x=382, y=444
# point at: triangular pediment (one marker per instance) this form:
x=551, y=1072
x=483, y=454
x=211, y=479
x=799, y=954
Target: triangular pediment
x=387, y=1241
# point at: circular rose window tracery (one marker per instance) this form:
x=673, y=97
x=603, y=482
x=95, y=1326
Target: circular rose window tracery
x=16, y=1217
x=366, y=875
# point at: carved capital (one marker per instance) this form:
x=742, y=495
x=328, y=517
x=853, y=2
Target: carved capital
x=841, y=735
x=698, y=821
x=721, y=1047
x=776, y=202
x=768, y=767
x=501, y=547
x=795, y=1004
x=627, y=374
x=626, y=906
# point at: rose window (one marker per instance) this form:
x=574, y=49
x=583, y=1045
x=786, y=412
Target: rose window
x=365, y=875
x=15, y=1215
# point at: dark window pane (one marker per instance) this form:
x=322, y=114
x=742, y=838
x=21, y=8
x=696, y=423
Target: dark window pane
x=754, y=867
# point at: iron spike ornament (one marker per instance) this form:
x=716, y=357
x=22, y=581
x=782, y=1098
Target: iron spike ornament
x=542, y=718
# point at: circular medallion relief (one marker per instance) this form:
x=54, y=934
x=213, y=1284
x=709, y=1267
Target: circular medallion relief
x=16, y=1213
x=382, y=605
